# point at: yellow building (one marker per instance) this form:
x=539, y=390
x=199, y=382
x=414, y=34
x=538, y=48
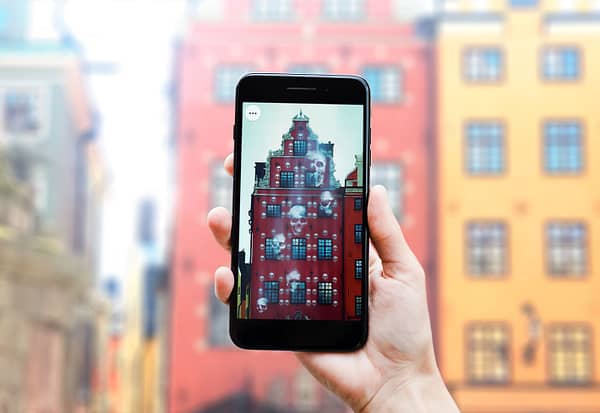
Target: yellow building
x=519, y=204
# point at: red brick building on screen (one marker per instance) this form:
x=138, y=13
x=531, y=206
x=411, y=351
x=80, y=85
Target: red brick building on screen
x=225, y=40
x=306, y=257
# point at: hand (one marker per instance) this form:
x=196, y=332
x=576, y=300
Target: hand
x=396, y=370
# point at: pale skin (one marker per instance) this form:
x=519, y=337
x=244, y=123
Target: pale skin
x=396, y=370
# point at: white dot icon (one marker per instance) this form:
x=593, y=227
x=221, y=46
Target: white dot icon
x=253, y=113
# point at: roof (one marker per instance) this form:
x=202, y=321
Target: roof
x=301, y=117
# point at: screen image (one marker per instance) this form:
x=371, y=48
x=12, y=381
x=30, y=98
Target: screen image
x=301, y=234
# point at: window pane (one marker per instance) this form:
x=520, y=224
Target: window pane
x=391, y=176
x=272, y=10
x=487, y=354
x=561, y=63
x=298, y=292
x=324, y=249
x=325, y=293
x=569, y=349
x=563, y=147
x=226, y=81
x=566, y=249
x=221, y=187
x=386, y=83
x=344, y=9
x=358, y=269
x=272, y=292
x=485, y=148
x=486, y=246
x=299, y=249
x=483, y=64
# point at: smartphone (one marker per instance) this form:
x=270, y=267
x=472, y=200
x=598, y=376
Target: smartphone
x=299, y=233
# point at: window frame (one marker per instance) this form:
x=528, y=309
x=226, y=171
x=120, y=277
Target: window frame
x=505, y=270
x=466, y=75
x=398, y=98
x=548, y=250
x=358, y=233
x=468, y=149
x=558, y=48
x=582, y=146
x=359, y=269
x=270, y=211
x=218, y=97
x=287, y=174
x=268, y=288
x=222, y=183
x=293, y=298
x=269, y=17
x=549, y=354
x=302, y=247
x=327, y=249
x=397, y=193
x=343, y=17
x=469, y=353
x=358, y=305
x=43, y=92
x=325, y=293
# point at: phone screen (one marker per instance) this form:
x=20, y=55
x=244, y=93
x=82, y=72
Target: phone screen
x=301, y=233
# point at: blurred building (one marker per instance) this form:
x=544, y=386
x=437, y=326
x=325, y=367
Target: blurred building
x=225, y=40
x=519, y=204
x=49, y=228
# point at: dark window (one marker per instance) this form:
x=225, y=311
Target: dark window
x=486, y=249
x=298, y=292
x=570, y=354
x=287, y=180
x=385, y=82
x=487, y=354
x=561, y=63
x=325, y=291
x=219, y=321
x=324, y=249
x=22, y=112
x=299, y=249
x=299, y=147
x=563, y=147
x=358, y=269
x=485, y=148
x=272, y=292
x=358, y=233
x=310, y=179
x=221, y=187
x=344, y=10
x=391, y=176
x=274, y=211
x=227, y=77
x=272, y=249
x=272, y=10
x=357, y=204
x=483, y=64
x=358, y=306
x=566, y=249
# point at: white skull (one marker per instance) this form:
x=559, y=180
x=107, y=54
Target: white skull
x=291, y=277
x=297, y=216
x=261, y=304
x=318, y=162
x=326, y=205
x=278, y=245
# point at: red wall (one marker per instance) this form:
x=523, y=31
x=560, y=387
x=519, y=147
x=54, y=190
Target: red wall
x=199, y=374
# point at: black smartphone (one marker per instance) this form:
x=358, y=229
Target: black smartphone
x=299, y=234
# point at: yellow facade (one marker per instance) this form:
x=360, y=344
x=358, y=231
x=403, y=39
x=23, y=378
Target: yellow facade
x=524, y=197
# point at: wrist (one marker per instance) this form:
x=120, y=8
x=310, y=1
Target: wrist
x=423, y=392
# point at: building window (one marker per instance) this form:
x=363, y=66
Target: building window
x=274, y=211
x=570, y=355
x=272, y=10
x=310, y=179
x=386, y=83
x=485, y=148
x=307, y=69
x=24, y=111
x=487, y=354
x=227, y=77
x=563, y=147
x=358, y=204
x=299, y=249
x=272, y=292
x=486, y=249
x=287, y=180
x=391, y=176
x=358, y=306
x=325, y=291
x=344, y=10
x=221, y=187
x=523, y=3
x=273, y=249
x=358, y=233
x=299, y=147
x=298, y=292
x=483, y=64
x=561, y=63
x=219, y=321
x=324, y=249
x=358, y=269
x=566, y=249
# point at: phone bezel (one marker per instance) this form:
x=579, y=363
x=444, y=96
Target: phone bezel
x=312, y=335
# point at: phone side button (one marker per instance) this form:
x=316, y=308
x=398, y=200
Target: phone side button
x=233, y=134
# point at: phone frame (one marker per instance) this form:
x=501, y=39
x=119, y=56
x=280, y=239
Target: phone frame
x=299, y=335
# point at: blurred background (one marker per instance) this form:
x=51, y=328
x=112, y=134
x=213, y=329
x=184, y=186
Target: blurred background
x=115, y=117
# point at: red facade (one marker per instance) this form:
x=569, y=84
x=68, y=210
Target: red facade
x=200, y=372
x=300, y=269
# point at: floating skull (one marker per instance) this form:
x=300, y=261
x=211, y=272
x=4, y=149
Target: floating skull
x=278, y=245
x=292, y=277
x=297, y=216
x=261, y=304
x=326, y=204
x=318, y=162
